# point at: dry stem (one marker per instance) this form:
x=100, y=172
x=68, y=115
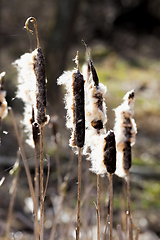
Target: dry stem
x=41, y=185
x=98, y=207
x=36, y=180
x=119, y=232
x=111, y=205
x=79, y=192
x=129, y=208
x=58, y=168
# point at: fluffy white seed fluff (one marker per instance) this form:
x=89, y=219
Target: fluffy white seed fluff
x=27, y=89
x=96, y=156
x=94, y=141
x=125, y=110
x=3, y=102
x=66, y=79
x=93, y=112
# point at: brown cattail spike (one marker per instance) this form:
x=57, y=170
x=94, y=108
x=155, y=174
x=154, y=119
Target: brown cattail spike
x=79, y=114
x=39, y=68
x=110, y=152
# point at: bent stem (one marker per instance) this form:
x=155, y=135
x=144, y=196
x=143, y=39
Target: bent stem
x=98, y=207
x=111, y=205
x=24, y=162
x=41, y=185
x=129, y=208
x=79, y=192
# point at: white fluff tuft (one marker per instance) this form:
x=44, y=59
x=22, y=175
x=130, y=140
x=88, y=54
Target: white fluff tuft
x=66, y=79
x=3, y=106
x=92, y=110
x=27, y=89
x=96, y=156
x=94, y=140
x=3, y=102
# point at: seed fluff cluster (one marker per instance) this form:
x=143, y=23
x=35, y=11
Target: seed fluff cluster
x=28, y=90
x=3, y=102
x=125, y=131
x=74, y=104
x=100, y=145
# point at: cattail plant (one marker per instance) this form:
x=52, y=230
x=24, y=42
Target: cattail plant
x=32, y=90
x=101, y=144
x=74, y=101
x=125, y=132
x=3, y=102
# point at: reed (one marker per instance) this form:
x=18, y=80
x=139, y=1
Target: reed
x=74, y=100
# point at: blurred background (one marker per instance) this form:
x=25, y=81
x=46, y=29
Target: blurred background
x=124, y=39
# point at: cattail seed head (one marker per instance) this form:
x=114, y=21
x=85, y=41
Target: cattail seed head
x=79, y=115
x=125, y=132
x=39, y=68
x=74, y=103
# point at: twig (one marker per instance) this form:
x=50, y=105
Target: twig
x=119, y=232
x=79, y=192
x=24, y=161
x=111, y=205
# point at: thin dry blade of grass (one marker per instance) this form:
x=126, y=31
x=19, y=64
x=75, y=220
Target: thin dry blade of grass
x=24, y=162
x=119, y=232
x=11, y=205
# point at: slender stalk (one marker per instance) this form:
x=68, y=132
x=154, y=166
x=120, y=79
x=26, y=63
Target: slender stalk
x=119, y=232
x=86, y=207
x=41, y=185
x=53, y=231
x=129, y=208
x=47, y=179
x=106, y=227
x=62, y=197
x=98, y=207
x=137, y=234
x=58, y=169
x=111, y=205
x=79, y=192
x=12, y=197
x=36, y=180
x=66, y=230
x=24, y=161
